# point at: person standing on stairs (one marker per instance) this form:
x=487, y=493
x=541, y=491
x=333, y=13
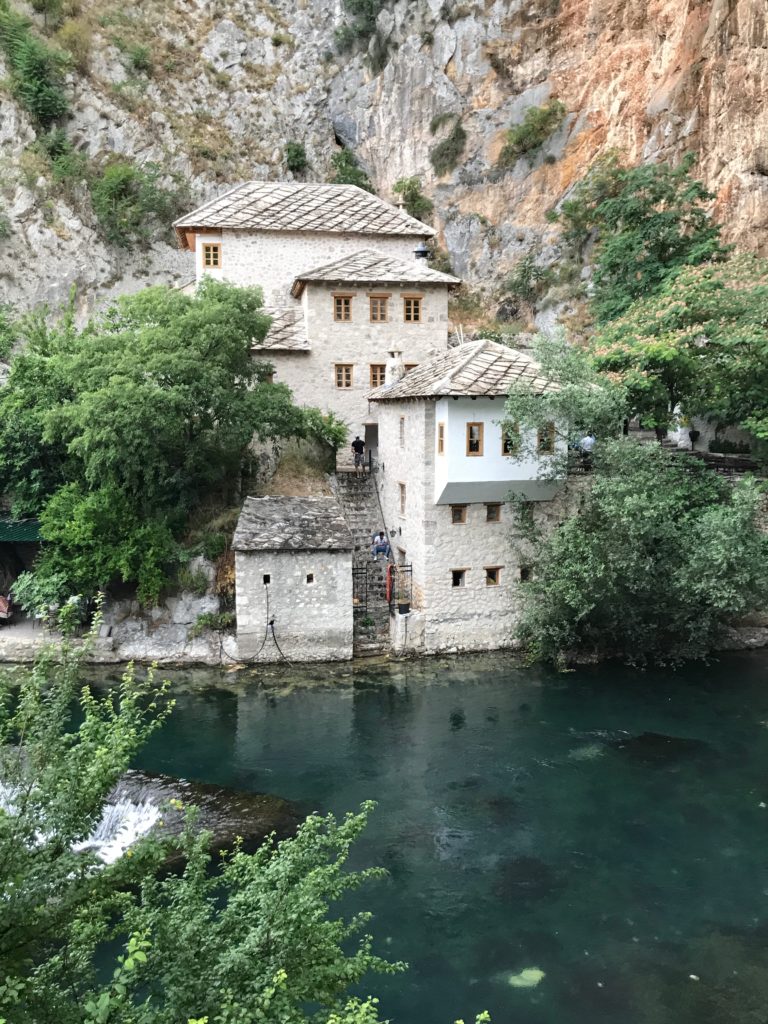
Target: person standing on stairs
x=380, y=545
x=358, y=448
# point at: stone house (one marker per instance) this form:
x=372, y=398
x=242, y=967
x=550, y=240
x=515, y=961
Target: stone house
x=293, y=567
x=342, y=282
x=446, y=474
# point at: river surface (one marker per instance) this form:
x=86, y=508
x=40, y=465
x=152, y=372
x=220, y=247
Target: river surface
x=605, y=827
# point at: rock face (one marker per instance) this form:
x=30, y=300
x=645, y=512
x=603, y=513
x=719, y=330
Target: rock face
x=233, y=81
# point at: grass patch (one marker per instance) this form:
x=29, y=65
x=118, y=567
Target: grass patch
x=217, y=622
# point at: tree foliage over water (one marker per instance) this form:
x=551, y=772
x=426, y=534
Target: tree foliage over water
x=115, y=433
x=660, y=554
x=647, y=222
x=250, y=942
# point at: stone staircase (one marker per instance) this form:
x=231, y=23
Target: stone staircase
x=356, y=495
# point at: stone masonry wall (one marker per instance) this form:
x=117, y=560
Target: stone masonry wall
x=313, y=621
x=474, y=617
x=272, y=259
x=311, y=375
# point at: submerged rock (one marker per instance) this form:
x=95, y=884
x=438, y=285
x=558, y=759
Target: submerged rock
x=653, y=748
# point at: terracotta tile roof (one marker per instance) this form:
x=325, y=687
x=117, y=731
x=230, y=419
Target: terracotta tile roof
x=287, y=332
x=475, y=368
x=298, y=206
x=369, y=266
x=292, y=524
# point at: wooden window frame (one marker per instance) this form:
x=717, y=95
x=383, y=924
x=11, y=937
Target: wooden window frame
x=493, y=505
x=441, y=437
x=212, y=248
x=342, y=367
x=378, y=298
x=419, y=309
x=462, y=510
x=508, y=435
x=463, y=584
x=481, y=439
x=337, y=297
x=403, y=497
x=546, y=436
x=377, y=369
x=489, y=569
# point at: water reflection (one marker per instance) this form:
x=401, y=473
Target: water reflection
x=604, y=829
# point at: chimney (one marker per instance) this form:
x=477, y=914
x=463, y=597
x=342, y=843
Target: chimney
x=394, y=369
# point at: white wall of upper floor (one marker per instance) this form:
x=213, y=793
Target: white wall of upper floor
x=273, y=259
x=490, y=476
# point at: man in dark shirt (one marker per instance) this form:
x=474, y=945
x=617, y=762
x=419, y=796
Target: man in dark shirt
x=358, y=447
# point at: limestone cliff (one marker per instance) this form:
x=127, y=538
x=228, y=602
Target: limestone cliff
x=233, y=80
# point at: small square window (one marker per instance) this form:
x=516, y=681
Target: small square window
x=402, y=499
x=342, y=308
x=343, y=375
x=441, y=439
x=377, y=374
x=310, y=577
x=458, y=514
x=378, y=308
x=267, y=579
x=458, y=577
x=475, y=439
x=412, y=309
x=492, y=575
x=212, y=255
x=526, y=573
x=546, y=439
x=493, y=513
x=510, y=439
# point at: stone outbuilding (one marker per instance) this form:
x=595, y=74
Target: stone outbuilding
x=447, y=472
x=293, y=566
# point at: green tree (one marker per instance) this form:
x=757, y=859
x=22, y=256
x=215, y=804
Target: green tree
x=659, y=556
x=702, y=342
x=416, y=203
x=578, y=398
x=115, y=433
x=347, y=171
x=648, y=222
x=250, y=941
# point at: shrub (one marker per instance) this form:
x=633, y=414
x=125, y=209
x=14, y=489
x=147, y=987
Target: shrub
x=130, y=202
x=5, y=227
x=74, y=37
x=528, y=279
x=35, y=69
x=51, y=10
x=538, y=124
x=445, y=156
x=414, y=200
x=214, y=545
x=439, y=259
x=140, y=57
x=361, y=24
x=219, y=622
x=347, y=171
x=296, y=157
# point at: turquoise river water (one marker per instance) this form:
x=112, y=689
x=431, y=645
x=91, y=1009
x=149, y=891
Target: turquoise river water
x=605, y=827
